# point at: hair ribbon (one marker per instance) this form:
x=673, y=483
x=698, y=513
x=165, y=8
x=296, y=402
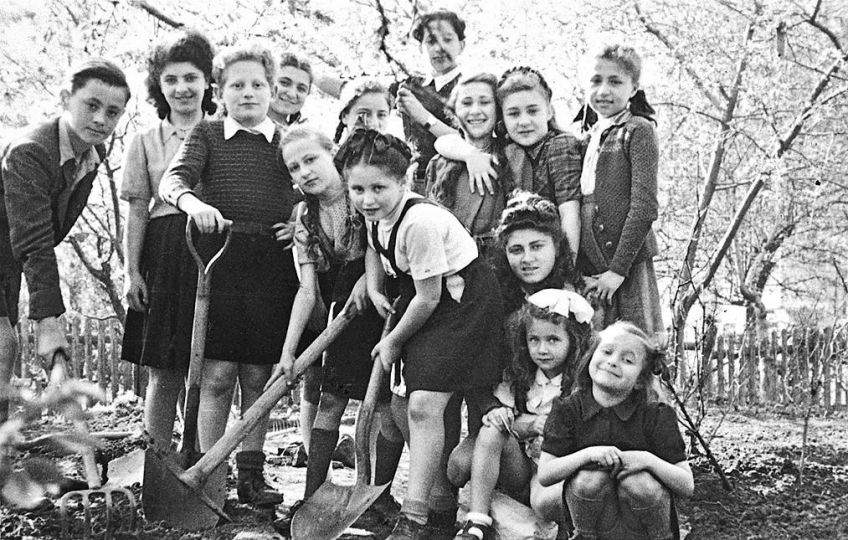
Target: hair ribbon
x=564, y=303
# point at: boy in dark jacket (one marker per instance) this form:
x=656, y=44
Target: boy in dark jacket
x=46, y=175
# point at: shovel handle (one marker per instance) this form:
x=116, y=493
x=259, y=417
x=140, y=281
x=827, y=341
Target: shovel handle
x=205, y=267
x=198, y=330
x=366, y=410
x=196, y=476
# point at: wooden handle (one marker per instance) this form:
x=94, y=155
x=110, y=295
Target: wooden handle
x=366, y=410
x=196, y=475
x=206, y=267
x=198, y=333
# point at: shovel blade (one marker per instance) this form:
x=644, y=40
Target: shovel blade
x=165, y=497
x=332, y=509
x=127, y=469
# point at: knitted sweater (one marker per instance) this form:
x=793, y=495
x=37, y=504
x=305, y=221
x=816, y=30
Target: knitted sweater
x=243, y=177
x=626, y=194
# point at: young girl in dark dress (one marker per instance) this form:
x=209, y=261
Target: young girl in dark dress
x=616, y=444
x=449, y=334
x=160, y=275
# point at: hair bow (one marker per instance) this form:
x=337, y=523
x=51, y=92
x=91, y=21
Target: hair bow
x=564, y=303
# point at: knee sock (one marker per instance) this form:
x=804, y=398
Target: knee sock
x=321, y=446
x=388, y=457
x=415, y=510
x=584, y=513
x=656, y=520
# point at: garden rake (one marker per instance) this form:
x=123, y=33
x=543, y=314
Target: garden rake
x=118, y=503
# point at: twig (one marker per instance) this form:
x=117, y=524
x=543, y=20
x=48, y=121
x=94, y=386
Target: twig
x=807, y=414
x=145, y=5
x=690, y=424
x=382, y=32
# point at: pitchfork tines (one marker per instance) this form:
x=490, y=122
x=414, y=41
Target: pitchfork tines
x=97, y=513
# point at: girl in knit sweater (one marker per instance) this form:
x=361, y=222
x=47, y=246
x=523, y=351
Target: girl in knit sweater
x=232, y=169
x=619, y=192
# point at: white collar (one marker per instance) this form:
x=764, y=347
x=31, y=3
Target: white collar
x=605, y=123
x=543, y=380
x=66, y=149
x=439, y=81
x=266, y=127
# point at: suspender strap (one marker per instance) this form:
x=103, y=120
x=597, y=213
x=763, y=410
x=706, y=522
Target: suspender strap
x=389, y=252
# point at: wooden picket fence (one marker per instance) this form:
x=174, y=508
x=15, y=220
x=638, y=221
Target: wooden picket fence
x=800, y=366
x=95, y=351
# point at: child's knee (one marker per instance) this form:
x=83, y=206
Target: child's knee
x=590, y=484
x=642, y=490
x=332, y=404
x=421, y=409
x=546, y=501
x=490, y=439
x=459, y=463
x=218, y=383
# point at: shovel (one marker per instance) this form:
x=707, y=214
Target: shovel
x=181, y=495
x=156, y=462
x=334, y=508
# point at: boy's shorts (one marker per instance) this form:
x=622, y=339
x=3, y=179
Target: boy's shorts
x=10, y=282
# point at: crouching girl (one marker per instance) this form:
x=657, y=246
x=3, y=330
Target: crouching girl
x=552, y=334
x=616, y=445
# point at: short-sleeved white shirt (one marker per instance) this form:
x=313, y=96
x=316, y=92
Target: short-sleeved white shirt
x=430, y=241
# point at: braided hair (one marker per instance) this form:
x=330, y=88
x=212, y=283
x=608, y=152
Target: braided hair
x=520, y=79
x=381, y=150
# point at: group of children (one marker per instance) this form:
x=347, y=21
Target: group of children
x=521, y=254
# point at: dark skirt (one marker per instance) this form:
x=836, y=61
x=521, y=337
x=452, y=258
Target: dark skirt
x=637, y=300
x=253, y=289
x=347, y=363
x=161, y=336
x=460, y=347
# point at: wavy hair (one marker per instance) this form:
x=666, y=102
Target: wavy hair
x=525, y=210
x=521, y=370
x=189, y=46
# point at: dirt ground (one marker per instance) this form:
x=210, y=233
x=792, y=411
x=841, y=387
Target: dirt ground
x=759, y=451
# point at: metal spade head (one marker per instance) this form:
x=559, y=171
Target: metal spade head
x=167, y=497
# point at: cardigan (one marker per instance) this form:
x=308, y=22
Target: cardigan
x=40, y=205
x=626, y=194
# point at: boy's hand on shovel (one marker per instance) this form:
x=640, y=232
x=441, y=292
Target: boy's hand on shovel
x=50, y=338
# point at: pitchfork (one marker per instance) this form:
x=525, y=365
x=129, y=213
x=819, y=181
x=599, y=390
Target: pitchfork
x=97, y=494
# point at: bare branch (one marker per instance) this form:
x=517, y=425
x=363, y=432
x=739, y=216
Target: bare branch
x=382, y=33
x=155, y=12
x=652, y=29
